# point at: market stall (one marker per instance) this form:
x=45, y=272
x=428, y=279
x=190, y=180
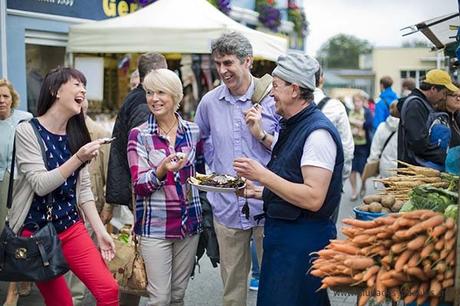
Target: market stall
x=184, y=26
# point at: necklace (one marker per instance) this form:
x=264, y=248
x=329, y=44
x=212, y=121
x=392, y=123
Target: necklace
x=166, y=133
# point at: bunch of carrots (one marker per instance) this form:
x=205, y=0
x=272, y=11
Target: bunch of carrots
x=405, y=256
x=409, y=177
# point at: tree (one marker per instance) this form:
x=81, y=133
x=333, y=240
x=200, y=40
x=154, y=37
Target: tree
x=343, y=51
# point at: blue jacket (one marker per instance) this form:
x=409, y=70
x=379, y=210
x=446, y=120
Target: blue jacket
x=285, y=162
x=382, y=108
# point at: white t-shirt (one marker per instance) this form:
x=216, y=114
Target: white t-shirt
x=319, y=150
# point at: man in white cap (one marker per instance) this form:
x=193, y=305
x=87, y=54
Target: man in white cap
x=301, y=187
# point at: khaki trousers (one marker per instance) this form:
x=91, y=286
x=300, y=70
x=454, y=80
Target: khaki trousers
x=168, y=264
x=3, y=198
x=235, y=260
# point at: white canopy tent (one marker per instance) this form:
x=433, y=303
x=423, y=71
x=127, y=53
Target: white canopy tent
x=182, y=26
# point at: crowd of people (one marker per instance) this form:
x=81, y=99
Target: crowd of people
x=295, y=146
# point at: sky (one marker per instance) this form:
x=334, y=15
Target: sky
x=378, y=21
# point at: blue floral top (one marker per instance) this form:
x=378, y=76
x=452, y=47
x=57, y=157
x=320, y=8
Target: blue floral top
x=64, y=212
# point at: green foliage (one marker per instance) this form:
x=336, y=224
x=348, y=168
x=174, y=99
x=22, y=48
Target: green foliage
x=343, y=51
x=451, y=211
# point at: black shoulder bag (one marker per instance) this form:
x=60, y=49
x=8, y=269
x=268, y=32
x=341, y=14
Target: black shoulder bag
x=37, y=258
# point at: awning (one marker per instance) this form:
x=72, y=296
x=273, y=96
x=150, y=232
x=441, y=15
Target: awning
x=440, y=31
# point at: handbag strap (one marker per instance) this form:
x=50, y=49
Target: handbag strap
x=387, y=141
x=13, y=160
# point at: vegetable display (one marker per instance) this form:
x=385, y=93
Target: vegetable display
x=401, y=256
x=217, y=180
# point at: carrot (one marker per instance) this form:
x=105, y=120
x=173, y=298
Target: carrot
x=385, y=234
x=417, y=272
x=380, y=287
x=331, y=281
x=447, y=283
x=434, y=256
x=439, y=277
x=345, y=248
x=359, y=262
x=422, y=293
x=362, y=239
x=398, y=248
x=387, y=260
x=391, y=282
x=374, y=230
x=428, y=270
x=416, y=243
x=359, y=223
x=358, y=277
x=364, y=296
x=370, y=272
x=440, y=267
x=444, y=253
x=386, y=221
x=439, y=245
x=402, y=235
x=411, y=294
x=371, y=281
x=427, y=250
x=449, y=274
x=451, y=258
x=402, y=259
x=427, y=224
x=414, y=260
x=350, y=232
x=438, y=231
x=435, y=288
x=417, y=214
x=395, y=294
x=450, y=243
x=449, y=234
x=450, y=223
x=318, y=273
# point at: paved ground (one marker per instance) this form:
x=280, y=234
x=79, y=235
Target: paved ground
x=206, y=288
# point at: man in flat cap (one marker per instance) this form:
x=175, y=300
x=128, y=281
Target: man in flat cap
x=301, y=187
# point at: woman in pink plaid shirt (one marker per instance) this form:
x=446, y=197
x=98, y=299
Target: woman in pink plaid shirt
x=162, y=154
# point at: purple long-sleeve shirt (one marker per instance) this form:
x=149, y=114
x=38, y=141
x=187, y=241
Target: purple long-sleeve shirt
x=222, y=125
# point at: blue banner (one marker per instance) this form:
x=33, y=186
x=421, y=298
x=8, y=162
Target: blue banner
x=87, y=9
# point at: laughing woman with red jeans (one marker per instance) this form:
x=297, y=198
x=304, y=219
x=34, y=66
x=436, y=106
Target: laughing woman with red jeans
x=64, y=175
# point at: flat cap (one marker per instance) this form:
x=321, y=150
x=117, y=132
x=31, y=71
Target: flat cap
x=297, y=68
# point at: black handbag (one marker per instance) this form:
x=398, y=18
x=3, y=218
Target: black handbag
x=36, y=258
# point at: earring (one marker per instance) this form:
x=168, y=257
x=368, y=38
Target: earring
x=58, y=97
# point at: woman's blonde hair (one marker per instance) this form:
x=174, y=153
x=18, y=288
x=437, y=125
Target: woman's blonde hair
x=167, y=81
x=13, y=92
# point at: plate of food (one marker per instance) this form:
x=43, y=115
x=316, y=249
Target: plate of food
x=217, y=182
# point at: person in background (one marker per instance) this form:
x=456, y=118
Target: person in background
x=133, y=112
x=63, y=174
x=415, y=137
x=98, y=175
x=10, y=116
x=452, y=107
x=301, y=188
x=361, y=127
x=407, y=85
x=162, y=154
x=134, y=79
x=335, y=111
x=227, y=120
x=387, y=96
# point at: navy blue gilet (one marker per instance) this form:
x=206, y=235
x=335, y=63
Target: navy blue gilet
x=285, y=162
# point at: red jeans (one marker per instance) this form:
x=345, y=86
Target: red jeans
x=85, y=260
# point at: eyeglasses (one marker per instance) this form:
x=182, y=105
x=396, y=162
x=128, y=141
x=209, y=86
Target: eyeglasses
x=454, y=96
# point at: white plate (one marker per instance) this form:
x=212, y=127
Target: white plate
x=214, y=188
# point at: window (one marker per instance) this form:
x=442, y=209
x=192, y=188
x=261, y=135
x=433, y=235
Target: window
x=417, y=75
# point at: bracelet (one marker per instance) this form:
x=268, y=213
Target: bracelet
x=263, y=137
x=76, y=154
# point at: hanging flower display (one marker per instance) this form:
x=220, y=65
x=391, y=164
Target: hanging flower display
x=222, y=5
x=269, y=15
x=297, y=16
